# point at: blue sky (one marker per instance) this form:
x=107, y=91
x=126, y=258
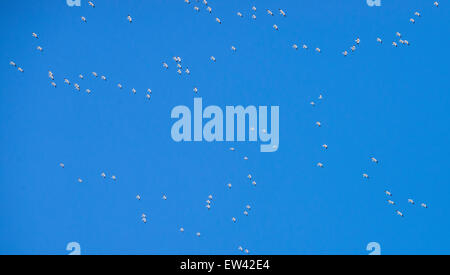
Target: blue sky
x=381, y=101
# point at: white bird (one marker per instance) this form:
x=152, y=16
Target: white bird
x=345, y=53
x=179, y=71
x=424, y=205
x=81, y=76
x=245, y=213
x=275, y=27
x=95, y=74
x=205, y=2
x=249, y=176
x=164, y=197
x=218, y=20
x=80, y=180
x=20, y=69
x=374, y=160
x=398, y=34
x=379, y=40
x=325, y=146
x=282, y=12
x=358, y=40
x=209, y=9
x=208, y=206
x=436, y=4
x=54, y=84
x=229, y=185
x=254, y=183
x=198, y=234
x=406, y=42
x=129, y=18
x=113, y=177
x=240, y=248
x=120, y=86
x=195, y=90
x=83, y=19
x=365, y=176
x=12, y=63
x=320, y=96
x=213, y=58
x=133, y=91
x=103, y=175
x=210, y=197
x=245, y=158
x=353, y=48
x=248, y=207
x=144, y=220
x=233, y=48
x=208, y=201
x=50, y=75
x=388, y=193
x=165, y=65
x=66, y=81
x=233, y=219
x=318, y=50
x=143, y=215
x=138, y=197
x=391, y=202
x=88, y=91
x=295, y=47
x=181, y=229
x=187, y=71
x=417, y=14
x=187, y=1
x=61, y=165
x=91, y=4
x=77, y=87
x=319, y=124
x=254, y=17
x=239, y=14
x=103, y=77
x=305, y=47
x=412, y=20
x=246, y=251
x=269, y=12
x=254, y=8
x=394, y=44
x=320, y=165
x=232, y=149
x=410, y=201
x=39, y=48
x=149, y=91
x=196, y=8
x=35, y=35
x=313, y=103
x=399, y=213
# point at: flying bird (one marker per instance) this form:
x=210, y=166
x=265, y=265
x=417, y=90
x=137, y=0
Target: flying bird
x=269, y=12
x=410, y=201
x=91, y=4
x=282, y=12
x=83, y=19
x=399, y=213
x=388, y=193
x=239, y=14
x=130, y=19
x=275, y=27
x=424, y=205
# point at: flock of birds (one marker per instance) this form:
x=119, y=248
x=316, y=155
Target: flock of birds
x=181, y=69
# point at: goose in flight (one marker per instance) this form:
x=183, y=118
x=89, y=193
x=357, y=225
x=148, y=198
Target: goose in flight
x=229, y=185
x=133, y=91
x=399, y=213
x=379, y=40
x=35, y=35
x=81, y=76
x=325, y=146
x=77, y=87
x=365, y=176
x=209, y=9
x=165, y=65
x=195, y=90
x=88, y=91
x=249, y=176
x=103, y=175
x=417, y=14
x=345, y=53
x=254, y=8
x=233, y=219
x=424, y=205
x=374, y=160
x=53, y=84
x=91, y=4
x=394, y=44
x=12, y=63
x=62, y=165
x=398, y=34
x=66, y=81
x=358, y=40
x=436, y=4
x=218, y=20
x=318, y=50
x=103, y=77
x=282, y=12
x=254, y=183
x=269, y=12
x=39, y=48
x=129, y=18
x=83, y=19
x=196, y=8
x=275, y=27
x=240, y=248
x=213, y=58
x=410, y=201
x=198, y=234
x=144, y=220
x=318, y=124
x=120, y=86
x=245, y=213
x=181, y=229
x=239, y=14
x=412, y=20
x=305, y=47
x=391, y=202
x=320, y=165
x=20, y=69
x=253, y=17
x=164, y=197
x=114, y=178
x=233, y=48
x=138, y=197
x=50, y=75
x=95, y=74
x=388, y=193
x=295, y=47
x=80, y=180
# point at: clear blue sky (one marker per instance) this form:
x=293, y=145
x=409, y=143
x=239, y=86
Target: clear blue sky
x=381, y=101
